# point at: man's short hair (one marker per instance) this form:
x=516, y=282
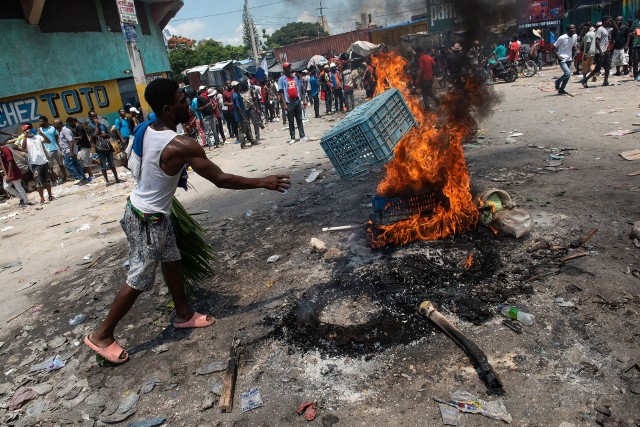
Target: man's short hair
x=71, y=120
x=45, y=118
x=159, y=93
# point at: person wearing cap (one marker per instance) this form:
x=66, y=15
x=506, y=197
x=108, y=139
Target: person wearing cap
x=209, y=118
x=305, y=85
x=136, y=115
x=456, y=62
x=241, y=117
x=536, y=47
x=104, y=149
x=326, y=85
x=347, y=88
x=291, y=99
x=33, y=145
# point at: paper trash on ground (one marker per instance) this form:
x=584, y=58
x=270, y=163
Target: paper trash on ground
x=250, y=400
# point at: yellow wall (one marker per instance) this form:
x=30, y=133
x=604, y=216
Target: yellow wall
x=77, y=100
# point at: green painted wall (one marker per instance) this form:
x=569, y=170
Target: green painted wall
x=32, y=61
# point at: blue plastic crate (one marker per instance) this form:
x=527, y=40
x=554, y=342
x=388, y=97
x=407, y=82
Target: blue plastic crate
x=365, y=138
x=387, y=210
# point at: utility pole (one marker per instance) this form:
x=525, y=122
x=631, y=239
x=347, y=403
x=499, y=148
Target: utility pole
x=253, y=39
x=128, y=21
x=321, y=9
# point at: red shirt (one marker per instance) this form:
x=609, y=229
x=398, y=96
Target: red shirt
x=426, y=63
x=227, y=99
x=7, y=158
x=292, y=87
x=514, y=51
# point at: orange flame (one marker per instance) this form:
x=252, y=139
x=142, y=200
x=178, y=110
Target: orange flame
x=429, y=157
x=469, y=262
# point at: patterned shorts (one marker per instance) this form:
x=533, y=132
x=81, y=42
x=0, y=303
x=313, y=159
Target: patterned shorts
x=149, y=245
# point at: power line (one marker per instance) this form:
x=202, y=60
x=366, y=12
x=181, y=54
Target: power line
x=228, y=13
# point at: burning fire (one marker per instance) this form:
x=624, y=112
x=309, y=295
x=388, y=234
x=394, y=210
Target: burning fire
x=469, y=261
x=428, y=158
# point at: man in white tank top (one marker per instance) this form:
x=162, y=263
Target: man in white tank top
x=149, y=233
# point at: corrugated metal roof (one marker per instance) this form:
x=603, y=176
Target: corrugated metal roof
x=200, y=69
x=398, y=25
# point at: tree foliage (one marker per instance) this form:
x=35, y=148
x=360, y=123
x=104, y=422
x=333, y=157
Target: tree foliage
x=246, y=33
x=294, y=30
x=205, y=51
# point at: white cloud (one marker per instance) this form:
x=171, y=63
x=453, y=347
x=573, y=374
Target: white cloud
x=234, y=39
x=190, y=29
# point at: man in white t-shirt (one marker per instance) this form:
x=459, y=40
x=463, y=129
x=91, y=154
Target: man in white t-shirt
x=564, y=48
x=33, y=144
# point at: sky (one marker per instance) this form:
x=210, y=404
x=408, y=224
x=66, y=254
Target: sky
x=222, y=20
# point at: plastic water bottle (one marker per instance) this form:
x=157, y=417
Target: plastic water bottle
x=516, y=314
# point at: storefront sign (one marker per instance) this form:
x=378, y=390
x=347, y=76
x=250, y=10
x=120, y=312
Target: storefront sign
x=442, y=15
x=127, y=10
x=541, y=12
x=555, y=23
x=77, y=100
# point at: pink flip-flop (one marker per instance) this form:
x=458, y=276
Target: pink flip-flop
x=111, y=353
x=197, y=321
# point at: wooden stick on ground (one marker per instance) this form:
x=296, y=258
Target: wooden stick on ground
x=633, y=173
x=94, y=261
x=229, y=384
x=574, y=256
x=477, y=356
x=582, y=240
x=21, y=313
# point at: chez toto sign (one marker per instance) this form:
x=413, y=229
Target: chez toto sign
x=127, y=10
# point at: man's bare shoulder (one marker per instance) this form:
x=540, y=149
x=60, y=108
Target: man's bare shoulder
x=183, y=146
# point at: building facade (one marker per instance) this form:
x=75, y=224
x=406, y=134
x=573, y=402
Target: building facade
x=65, y=57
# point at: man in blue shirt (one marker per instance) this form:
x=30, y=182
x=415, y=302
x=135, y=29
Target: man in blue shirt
x=291, y=94
x=53, y=149
x=123, y=128
x=240, y=115
x=313, y=83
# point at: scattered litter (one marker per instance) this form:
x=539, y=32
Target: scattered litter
x=342, y=227
x=250, y=400
x=510, y=140
x=161, y=348
x=515, y=314
x=208, y=402
x=273, y=258
x=467, y=402
x=83, y=227
x=68, y=230
x=20, y=397
x=210, y=368
x=313, y=175
x=618, y=132
x=55, y=364
x=248, y=213
x=561, y=302
x=318, y=245
x=130, y=400
x=148, y=386
x=556, y=156
x=631, y=155
x=309, y=409
x=86, y=257
x=109, y=221
x=7, y=228
x=551, y=111
x=514, y=222
x=27, y=286
x=71, y=219
x=204, y=211
x=11, y=264
x=449, y=415
x=153, y=422
x=516, y=134
x=78, y=319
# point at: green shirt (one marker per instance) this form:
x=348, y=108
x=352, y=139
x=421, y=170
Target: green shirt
x=589, y=43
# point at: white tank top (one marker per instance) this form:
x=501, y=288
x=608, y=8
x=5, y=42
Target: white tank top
x=154, y=189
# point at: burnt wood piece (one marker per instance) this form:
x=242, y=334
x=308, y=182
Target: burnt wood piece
x=477, y=356
x=230, y=375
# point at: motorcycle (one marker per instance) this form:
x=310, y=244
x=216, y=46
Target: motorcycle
x=526, y=65
x=503, y=69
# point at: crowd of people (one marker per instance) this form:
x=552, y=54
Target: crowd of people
x=245, y=106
